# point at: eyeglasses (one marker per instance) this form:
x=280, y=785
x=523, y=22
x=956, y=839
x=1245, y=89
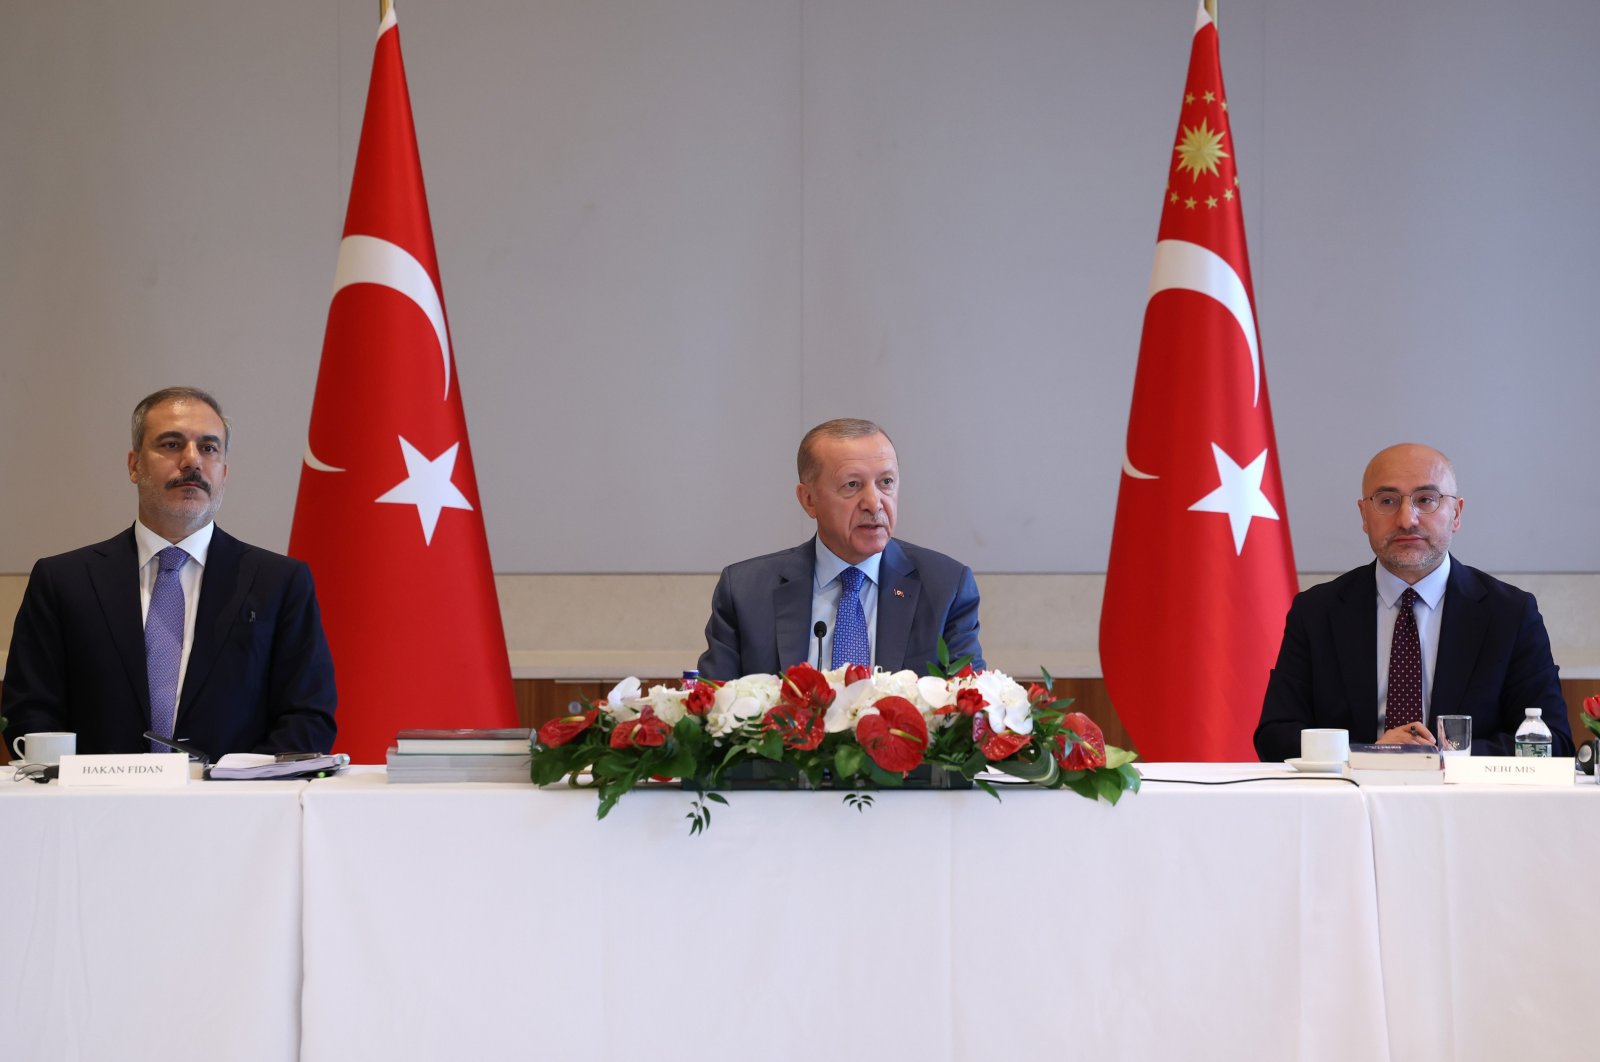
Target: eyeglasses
x=1387, y=502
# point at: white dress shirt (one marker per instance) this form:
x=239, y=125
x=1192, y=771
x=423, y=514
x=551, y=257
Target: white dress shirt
x=825, y=591
x=196, y=546
x=1429, y=611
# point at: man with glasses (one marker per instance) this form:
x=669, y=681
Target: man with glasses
x=1383, y=650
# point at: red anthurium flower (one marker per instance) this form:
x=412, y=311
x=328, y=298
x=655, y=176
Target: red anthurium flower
x=1089, y=752
x=966, y=672
x=700, y=699
x=896, y=737
x=806, y=687
x=645, y=732
x=995, y=746
x=856, y=672
x=560, y=731
x=801, y=727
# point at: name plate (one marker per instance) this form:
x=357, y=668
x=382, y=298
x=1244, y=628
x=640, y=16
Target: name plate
x=1506, y=770
x=146, y=770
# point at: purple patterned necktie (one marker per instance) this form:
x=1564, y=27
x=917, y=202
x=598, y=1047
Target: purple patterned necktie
x=850, y=644
x=1405, y=666
x=163, y=643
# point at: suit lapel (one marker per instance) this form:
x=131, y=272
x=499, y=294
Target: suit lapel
x=791, y=606
x=1461, y=632
x=1355, y=631
x=114, y=573
x=221, y=586
x=898, y=590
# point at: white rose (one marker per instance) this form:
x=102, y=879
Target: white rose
x=740, y=701
x=669, y=704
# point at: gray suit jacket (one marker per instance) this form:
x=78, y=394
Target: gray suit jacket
x=761, y=612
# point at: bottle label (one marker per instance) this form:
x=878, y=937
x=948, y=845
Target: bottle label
x=1533, y=748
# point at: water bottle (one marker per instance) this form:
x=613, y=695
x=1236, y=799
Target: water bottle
x=691, y=679
x=1533, y=737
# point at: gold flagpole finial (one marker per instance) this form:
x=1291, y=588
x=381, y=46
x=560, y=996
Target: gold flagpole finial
x=1211, y=9
x=386, y=6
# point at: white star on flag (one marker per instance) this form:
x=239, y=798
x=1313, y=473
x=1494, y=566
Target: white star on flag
x=1239, y=495
x=427, y=486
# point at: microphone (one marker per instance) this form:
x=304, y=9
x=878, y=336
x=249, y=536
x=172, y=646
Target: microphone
x=819, y=630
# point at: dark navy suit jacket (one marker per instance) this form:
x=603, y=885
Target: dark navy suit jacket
x=259, y=678
x=761, y=612
x=1493, y=662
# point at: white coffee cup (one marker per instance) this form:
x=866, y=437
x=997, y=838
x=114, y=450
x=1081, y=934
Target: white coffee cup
x=46, y=747
x=1325, y=746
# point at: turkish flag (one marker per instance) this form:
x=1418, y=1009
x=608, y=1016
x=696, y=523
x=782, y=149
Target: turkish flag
x=1201, y=570
x=388, y=514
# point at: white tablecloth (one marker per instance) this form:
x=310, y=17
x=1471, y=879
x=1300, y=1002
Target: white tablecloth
x=150, y=924
x=489, y=922
x=1484, y=897
x=492, y=922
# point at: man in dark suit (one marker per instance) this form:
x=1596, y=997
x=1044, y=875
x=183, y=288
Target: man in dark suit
x=174, y=625
x=878, y=601
x=1385, y=649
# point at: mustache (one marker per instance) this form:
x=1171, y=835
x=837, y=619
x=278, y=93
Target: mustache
x=191, y=476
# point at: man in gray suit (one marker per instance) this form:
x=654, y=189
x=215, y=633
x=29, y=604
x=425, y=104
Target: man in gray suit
x=877, y=601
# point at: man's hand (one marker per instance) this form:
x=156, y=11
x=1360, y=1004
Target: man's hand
x=1410, y=734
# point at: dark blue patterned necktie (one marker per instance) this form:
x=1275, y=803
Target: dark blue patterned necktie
x=163, y=643
x=850, y=644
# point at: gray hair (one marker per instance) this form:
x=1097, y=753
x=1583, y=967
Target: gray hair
x=170, y=394
x=806, y=461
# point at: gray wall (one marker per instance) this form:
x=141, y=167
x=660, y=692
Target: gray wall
x=673, y=235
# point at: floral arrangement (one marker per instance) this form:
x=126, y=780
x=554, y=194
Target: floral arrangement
x=849, y=727
x=1590, y=714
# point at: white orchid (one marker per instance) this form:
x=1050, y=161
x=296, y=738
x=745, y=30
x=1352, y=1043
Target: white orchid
x=622, y=703
x=1008, y=708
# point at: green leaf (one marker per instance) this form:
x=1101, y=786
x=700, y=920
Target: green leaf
x=1116, y=757
x=849, y=761
x=718, y=797
x=888, y=779
x=1131, y=779
x=1108, y=784
x=986, y=787
x=771, y=746
x=1083, y=785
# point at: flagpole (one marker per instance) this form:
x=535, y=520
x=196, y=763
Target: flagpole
x=385, y=6
x=1211, y=9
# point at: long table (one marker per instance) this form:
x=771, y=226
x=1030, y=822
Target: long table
x=150, y=924
x=1187, y=923
x=1288, y=917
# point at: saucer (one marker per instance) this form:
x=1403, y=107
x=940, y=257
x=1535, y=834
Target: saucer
x=1316, y=766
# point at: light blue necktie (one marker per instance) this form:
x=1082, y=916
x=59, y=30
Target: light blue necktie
x=850, y=644
x=163, y=643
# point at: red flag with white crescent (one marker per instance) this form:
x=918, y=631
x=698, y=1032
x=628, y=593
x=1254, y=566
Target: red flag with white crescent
x=388, y=514
x=1201, y=571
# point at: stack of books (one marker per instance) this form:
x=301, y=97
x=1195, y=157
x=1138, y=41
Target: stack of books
x=1395, y=765
x=460, y=756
